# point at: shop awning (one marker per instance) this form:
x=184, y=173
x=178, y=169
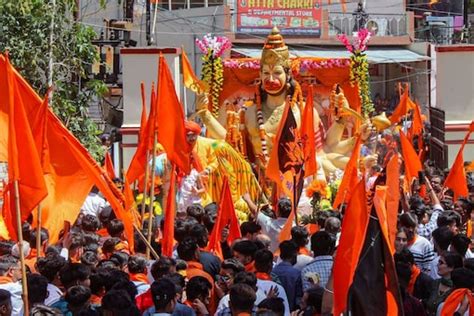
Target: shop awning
x=375, y=55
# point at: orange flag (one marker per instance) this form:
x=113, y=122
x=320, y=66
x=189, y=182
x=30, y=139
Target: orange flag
x=416, y=128
x=109, y=165
x=170, y=120
x=7, y=228
x=168, y=229
x=190, y=79
x=24, y=164
x=143, y=118
x=393, y=196
x=307, y=136
x=130, y=205
x=412, y=161
x=403, y=107
x=225, y=218
x=380, y=200
x=285, y=233
x=456, y=179
x=137, y=166
x=452, y=302
x=354, y=228
x=350, y=177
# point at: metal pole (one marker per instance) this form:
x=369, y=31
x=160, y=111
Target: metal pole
x=152, y=192
x=24, y=285
x=51, y=41
x=38, y=233
x=148, y=23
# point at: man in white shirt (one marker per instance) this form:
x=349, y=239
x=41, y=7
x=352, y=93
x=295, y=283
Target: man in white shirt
x=10, y=276
x=49, y=267
x=94, y=203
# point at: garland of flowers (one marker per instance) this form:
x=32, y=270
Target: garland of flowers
x=305, y=64
x=360, y=68
x=212, y=69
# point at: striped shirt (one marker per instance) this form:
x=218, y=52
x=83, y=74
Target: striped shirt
x=423, y=253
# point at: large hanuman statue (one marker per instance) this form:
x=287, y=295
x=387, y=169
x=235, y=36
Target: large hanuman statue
x=261, y=117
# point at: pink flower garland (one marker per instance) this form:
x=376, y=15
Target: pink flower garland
x=359, y=43
x=217, y=44
x=305, y=65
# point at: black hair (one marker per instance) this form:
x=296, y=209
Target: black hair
x=242, y=297
x=109, y=245
x=6, y=247
x=403, y=273
x=197, y=287
x=408, y=220
x=469, y=263
x=38, y=288
x=442, y=236
x=453, y=260
x=44, y=236
x=263, y=260
x=162, y=267
x=245, y=247
x=113, y=276
x=90, y=223
x=460, y=243
x=245, y=277
x=50, y=266
x=90, y=258
x=404, y=256
x=178, y=280
x=139, y=245
x=449, y=218
x=274, y=304
x=6, y=263
x=462, y=278
x=200, y=233
x=72, y=273
x=120, y=303
x=250, y=227
x=163, y=292
x=322, y=243
x=299, y=234
x=127, y=286
x=196, y=211
x=77, y=296
x=315, y=298
x=115, y=228
x=284, y=207
x=233, y=264
x=187, y=249
x=97, y=283
x=137, y=264
x=322, y=216
x=288, y=250
x=5, y=297
x=120, y=257
x=210, y=216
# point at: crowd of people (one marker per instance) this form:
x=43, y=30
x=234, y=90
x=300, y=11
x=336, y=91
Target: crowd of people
x=93, y=271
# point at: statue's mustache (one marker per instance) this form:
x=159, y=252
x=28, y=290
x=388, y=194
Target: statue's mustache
x=272, y=85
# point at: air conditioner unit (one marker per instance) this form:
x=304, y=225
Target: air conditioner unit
x=441, y=28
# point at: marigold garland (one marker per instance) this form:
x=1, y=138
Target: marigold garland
x=360, y=68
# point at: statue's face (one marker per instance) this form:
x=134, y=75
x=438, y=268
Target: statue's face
x=273, y=79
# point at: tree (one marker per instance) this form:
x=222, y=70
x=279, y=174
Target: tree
x=25, y=29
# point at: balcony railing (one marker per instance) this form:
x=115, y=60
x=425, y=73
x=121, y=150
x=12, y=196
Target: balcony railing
x=381, y=24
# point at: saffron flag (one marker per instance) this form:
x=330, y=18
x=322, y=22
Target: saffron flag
x=109, y=165
x=137, y=166
x=190, y=79
x=403, y=107
x=393, y=196
x=412, y=161
x=8, y=230
x=130, y=205
x=354, y=228
x=456, y=179
x=416, y=128
x=24, y=164
x=168, y=229
x=285, y=166
x=225, y=218
x=170, y=121
x=308, y=137
x=454, y=300
x=350, y=177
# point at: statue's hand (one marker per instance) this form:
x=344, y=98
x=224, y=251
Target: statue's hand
x=202, y=102
x=366, y=130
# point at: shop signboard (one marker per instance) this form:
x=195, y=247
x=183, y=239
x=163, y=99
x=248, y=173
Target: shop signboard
x=293, y=17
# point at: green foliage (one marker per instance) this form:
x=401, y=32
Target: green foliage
x=25, y=33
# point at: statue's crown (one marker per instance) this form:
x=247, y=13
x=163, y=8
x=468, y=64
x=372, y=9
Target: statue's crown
x=275, y=52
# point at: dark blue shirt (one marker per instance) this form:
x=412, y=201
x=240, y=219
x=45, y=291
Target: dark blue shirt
x=290, y=279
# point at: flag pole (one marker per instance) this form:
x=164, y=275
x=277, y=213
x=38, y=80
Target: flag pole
x=148, y=245
x=142, y=211
x=38, y=232
x=294, y=200
x=152, y=193
x=20, y=248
